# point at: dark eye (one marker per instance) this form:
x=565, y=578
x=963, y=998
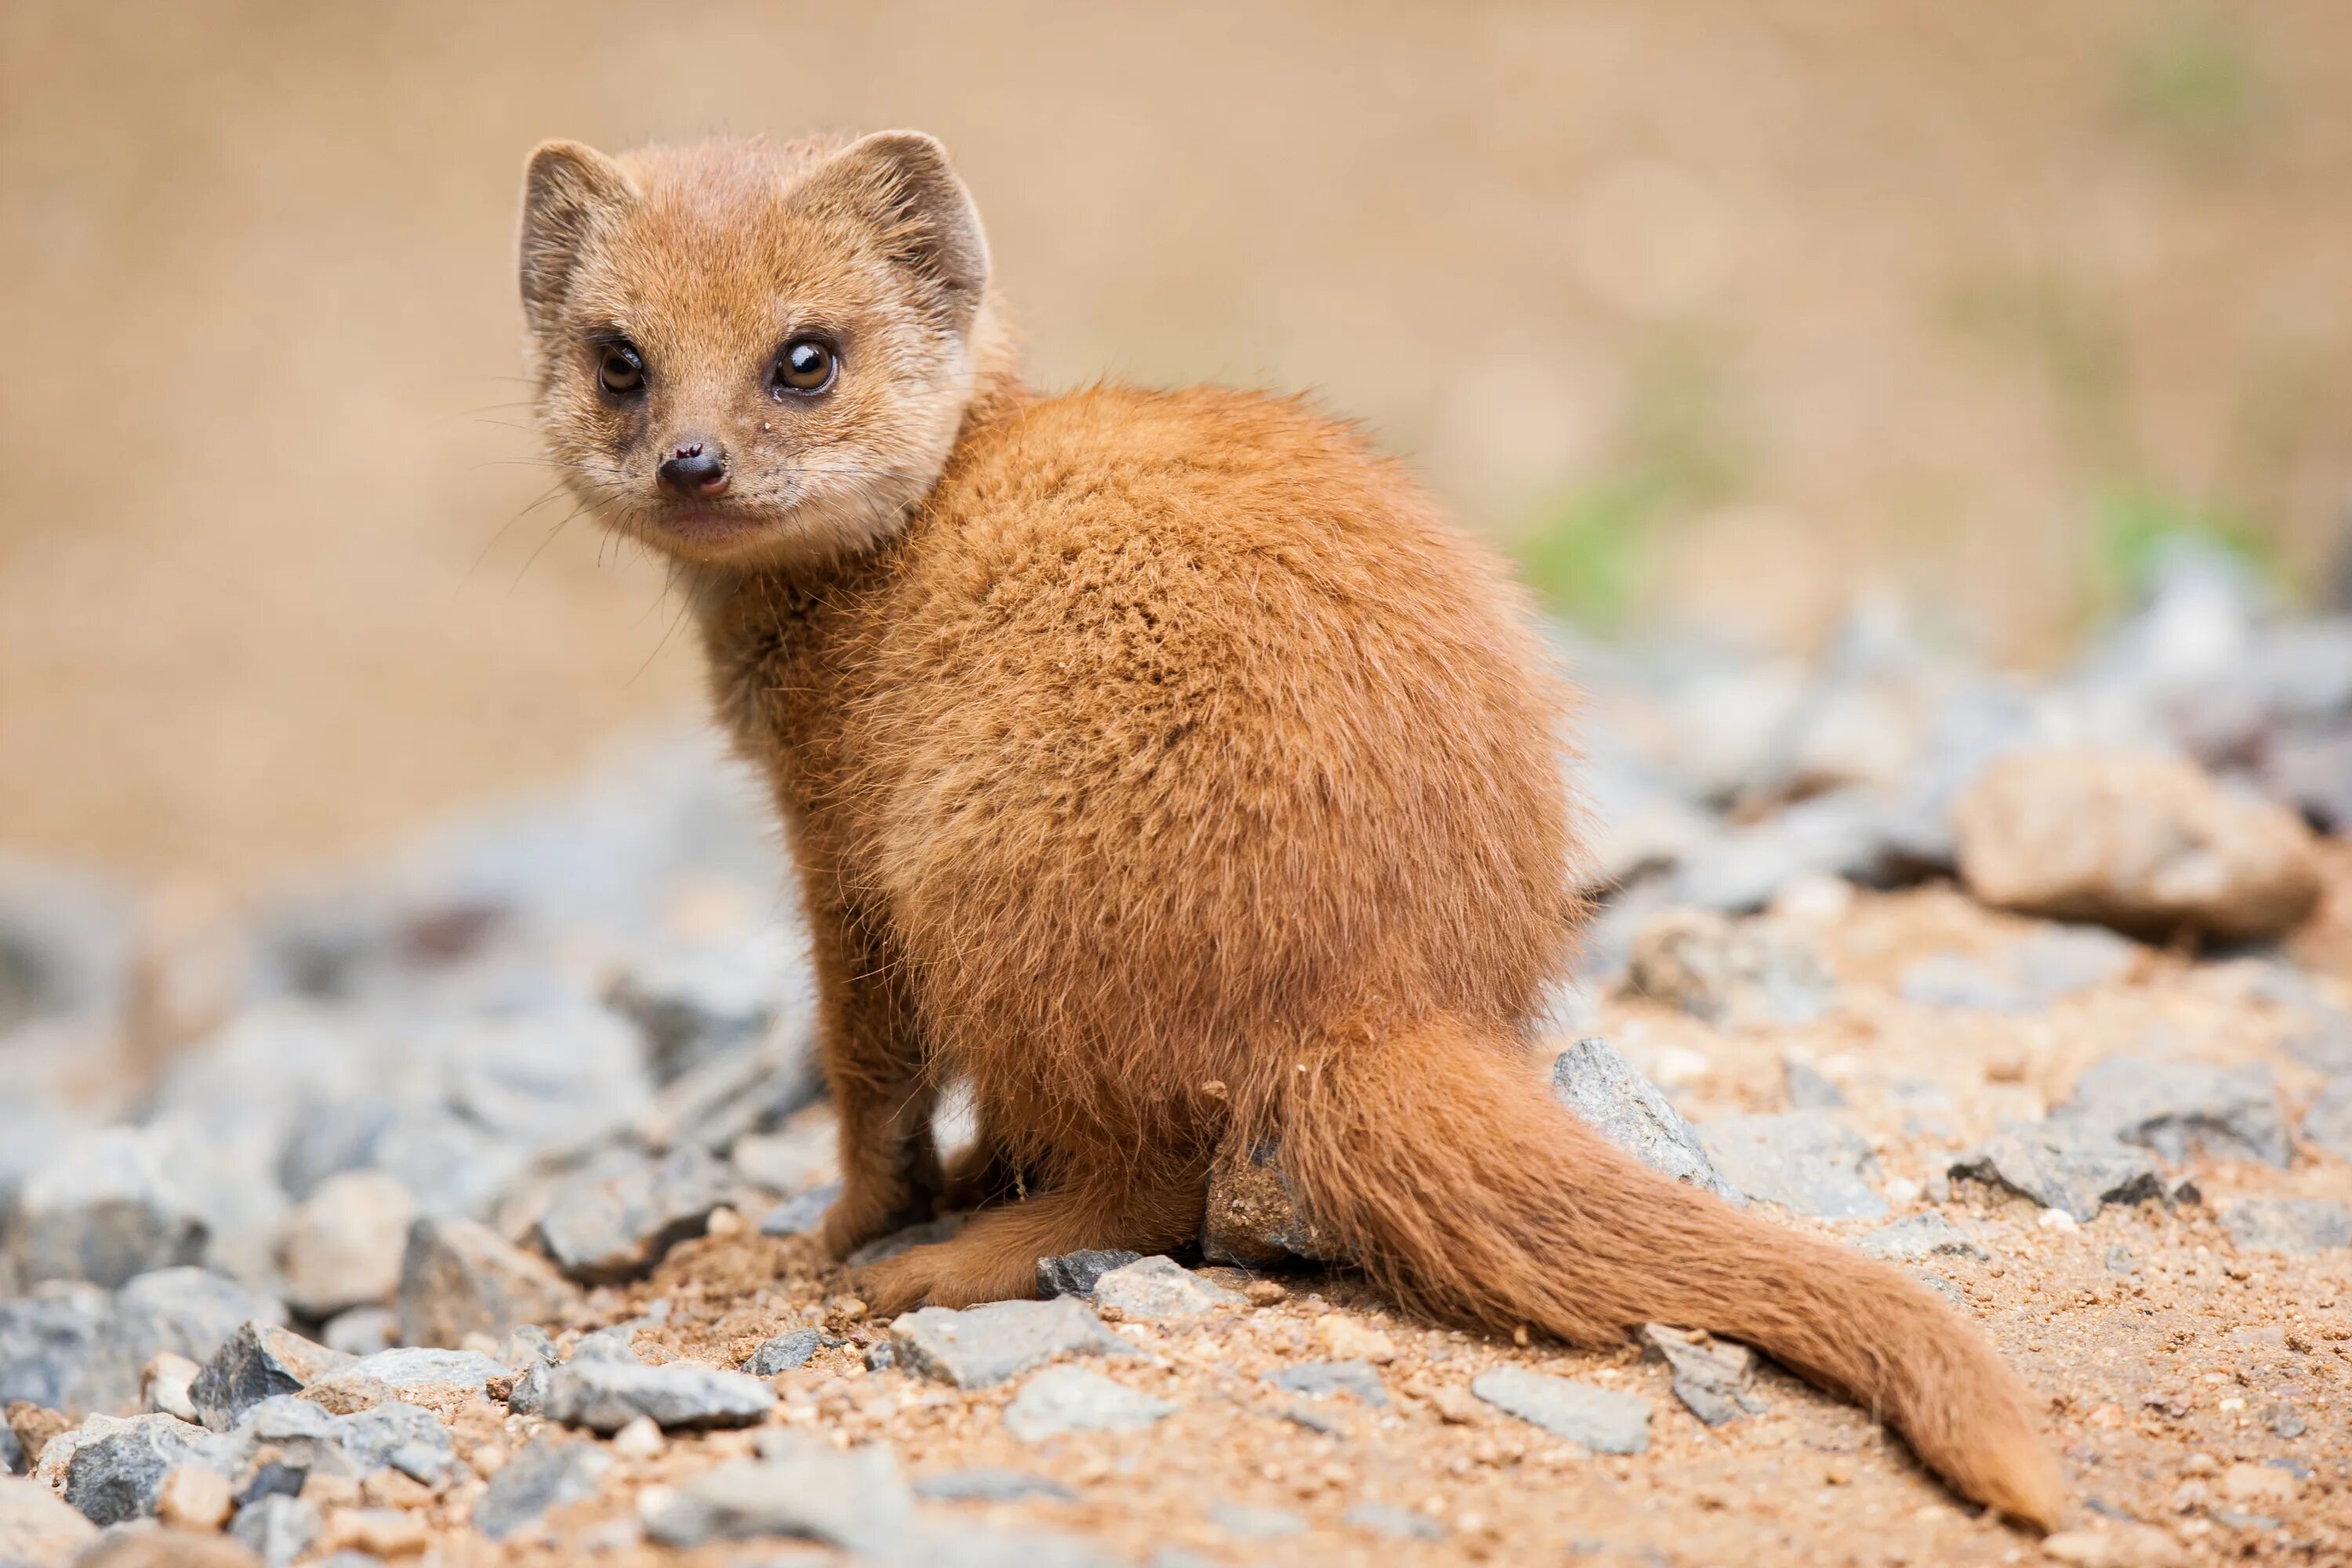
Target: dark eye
x=619, y=371
x=805, y=365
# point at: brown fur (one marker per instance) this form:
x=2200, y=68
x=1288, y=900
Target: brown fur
x=1161, y=763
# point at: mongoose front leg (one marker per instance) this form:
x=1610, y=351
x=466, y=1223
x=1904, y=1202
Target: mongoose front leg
x=874, y=1060
x=1153, y=1204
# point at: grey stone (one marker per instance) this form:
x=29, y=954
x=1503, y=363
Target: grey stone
x=1075, y=1273
x=459, y=1278
x=546, y=1077
x=48, y=1339
x=2326, y=1044
x=990, y=1483
x=1853, y=833
x=1395, y=1523
x=1072, y=1399
x=1320, y=1379
x=942, y=1545
x=2119, y=1260
x=2288, y=1224
x=1604, y=1090
x=718, y=1103
x=1159, y=1287
x=1253, y=1216
x=606, y=1395
x=66, y=939
x=1956, y=980
x=2026, y=977
x=417, y=1367
x=1731, y=971
x=38, y=1530
x=855, y=1499
x=796, y=1157
x=785, y=1352
x=118, y=1467
x=1600, y=1419
x=695, y=1003
x=982, y=1346
x=1710, y=1377
x=801, y=1213
x=547, y=1474
x=103, y=1211
x=529, y=1395
x=361, y=1331
x=620, y=1226
x=2327, y=1124
x=406, y=1437
x=257, y=1362
x=12, y=1452
x=2286, y=1421
x=2064, y=1166
x=527, y=1344
x=881, y=1357
x=1920, y=1236
x=279, y=1529
x=924, y=1234
x=454, y=1168
x=618, y=1343
x=1807, y=1162
x=1254, y=1523
x=2173, y=1107
x=1807, y=1087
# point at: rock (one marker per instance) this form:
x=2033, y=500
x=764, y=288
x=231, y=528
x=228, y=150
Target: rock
x=454, y=1168
x=362, y=1330
x=103, y=1211
x=617, y=1228
x=1807, y=1087
x=1252, y=1523
x=527, y=1344
x=1805, y=1161
x=784, y=1352
x=257, y=1362
x=1253, y=1216
x=990, y=1483
x=640, y=1439
x=49, y=1339
x=73, y=1348
x=605, y=1395
x=117, y=1468
x=460, y=1277
x=1072, y=1399
x=195, y=1497
x=944, y=1545
x=342, y=1246
x=618, y=1343
x=2064, y=1166
x=1320, y=1379
x=1710, y=1377
x=2288, y=1224
x=1603, y=1090
x=1854, y=834
x=1395, y=1523
x=800, y=1157
x=37, y=1528
x=2170, y=1107
x=697, y=1003
x=881, y=1357
x=279, y=1529
x=1162, y=1287
x=2024, y=977
x=717, y=1103
x=547, y=1076
x=168, y=1385
x=1600, y=1419
x=982, y=1346
x=1920, y=1236
x=1731, y=973
x=2327, y=1124
x=855, y=1499
x=12, y=1452
x=406, y=1437
x=1075, y=1273
x=547, y=1474
x=801, y=1213
x=2114, y=1545
x=2146, y=845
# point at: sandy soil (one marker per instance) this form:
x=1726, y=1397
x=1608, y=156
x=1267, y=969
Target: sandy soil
x=2175, y=1368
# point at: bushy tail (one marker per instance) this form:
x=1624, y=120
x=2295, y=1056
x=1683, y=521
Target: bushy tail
x=1431, y=1156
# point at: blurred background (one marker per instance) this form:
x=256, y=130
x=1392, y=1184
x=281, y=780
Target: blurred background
x=1716, y=314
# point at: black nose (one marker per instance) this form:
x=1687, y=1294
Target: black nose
x=697, y=468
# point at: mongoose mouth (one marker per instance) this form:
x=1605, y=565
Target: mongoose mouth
x=705, y=525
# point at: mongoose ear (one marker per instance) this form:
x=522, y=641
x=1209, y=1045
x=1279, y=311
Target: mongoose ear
x=566, y=190
x=901, y=182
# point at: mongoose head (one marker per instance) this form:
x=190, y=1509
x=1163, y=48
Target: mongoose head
x=748, y=353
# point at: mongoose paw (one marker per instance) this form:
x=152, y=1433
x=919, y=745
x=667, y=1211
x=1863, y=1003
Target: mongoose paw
x=867, y=1211
x=945, y=1274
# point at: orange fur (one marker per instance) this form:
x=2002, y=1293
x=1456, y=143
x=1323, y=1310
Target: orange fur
x=1133, y=744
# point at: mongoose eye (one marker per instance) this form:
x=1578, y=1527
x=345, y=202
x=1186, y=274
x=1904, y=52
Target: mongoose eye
x=620, y=371
x=805, y=365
